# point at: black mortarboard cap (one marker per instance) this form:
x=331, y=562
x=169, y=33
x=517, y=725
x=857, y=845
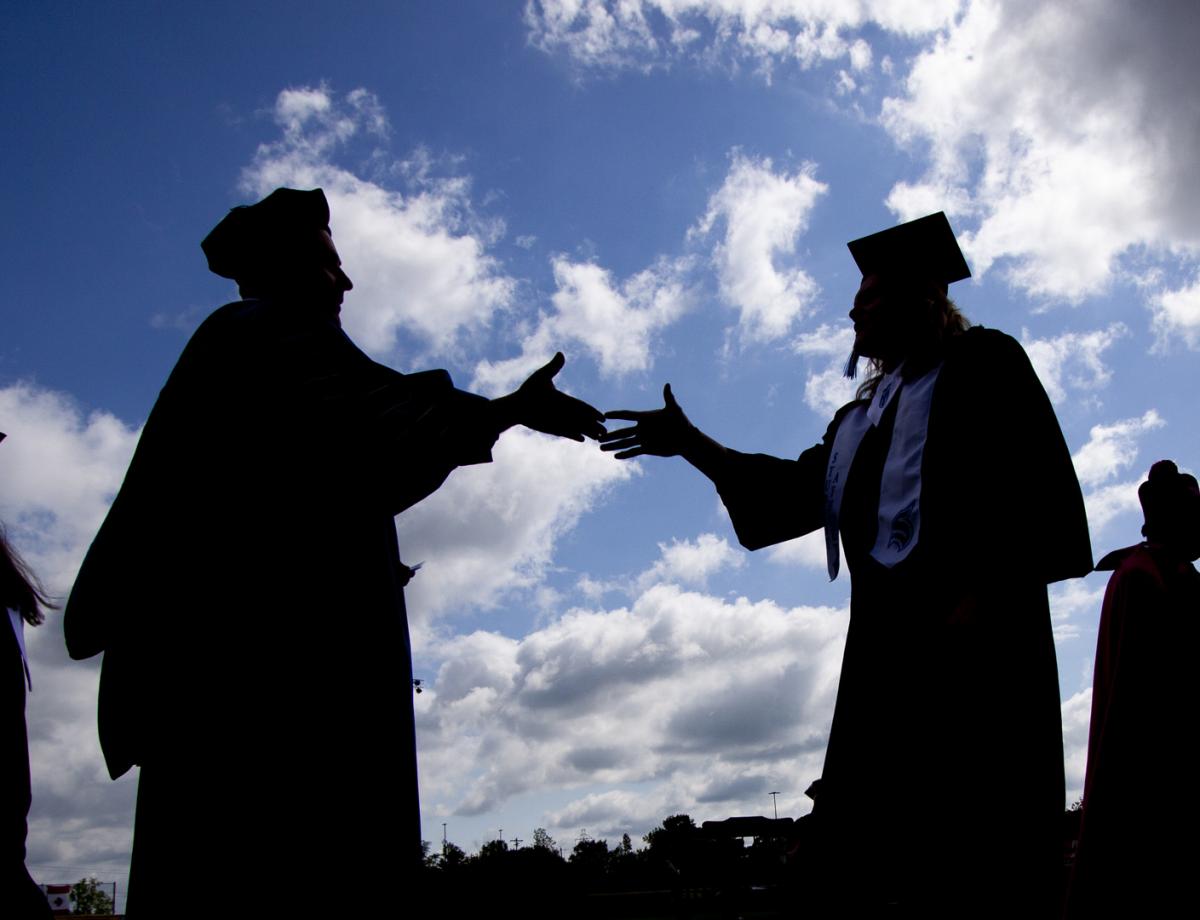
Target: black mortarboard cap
x=253, y=236
x=924, y=249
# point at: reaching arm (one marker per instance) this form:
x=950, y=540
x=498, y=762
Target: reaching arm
x=666, y=432
x=769, y=499
x=539, y=405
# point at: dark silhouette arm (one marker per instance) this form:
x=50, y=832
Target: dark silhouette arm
x=769, y=499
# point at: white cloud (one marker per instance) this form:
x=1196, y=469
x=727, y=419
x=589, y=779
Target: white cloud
x=492, y=528
x=763, y=213
x=1062, y=127
x=1109, y=502
x=59, y=470
x=680, y=690
x=1076, y=717
x=1071, y=601
x=1112, y=448
x=645, y=34
x=615, y=324
x=1072, y=359
x=807, y=551
x=1176, y=316
x=690, y=562
x=827, y=388
x=419, y=259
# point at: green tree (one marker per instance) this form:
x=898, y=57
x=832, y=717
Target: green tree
x=673, y=830
x=493, y=849
x=87, y=897
x=452, y=856
x=544, y=841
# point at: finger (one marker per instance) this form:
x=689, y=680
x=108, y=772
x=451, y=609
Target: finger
x=586, y=409
x=668, y=398
x=554, y=365
x=619, y=433
x=625, y=444
x=630, y=454
x=628, y=415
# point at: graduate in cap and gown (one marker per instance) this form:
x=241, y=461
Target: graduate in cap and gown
x=246, y=588
x=951, y=488
x=1137, y=849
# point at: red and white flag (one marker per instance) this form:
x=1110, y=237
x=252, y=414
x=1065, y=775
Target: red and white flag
x=59, y=897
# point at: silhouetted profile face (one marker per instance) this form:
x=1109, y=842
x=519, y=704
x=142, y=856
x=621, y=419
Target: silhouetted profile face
x=1184, y=527
x=308, y=272
x=878, y=321
x=1192, y=525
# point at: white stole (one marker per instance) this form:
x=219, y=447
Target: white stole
x=900, y=488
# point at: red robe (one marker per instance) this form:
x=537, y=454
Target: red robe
x=1137, y=847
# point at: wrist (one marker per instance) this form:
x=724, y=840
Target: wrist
x=506, y=412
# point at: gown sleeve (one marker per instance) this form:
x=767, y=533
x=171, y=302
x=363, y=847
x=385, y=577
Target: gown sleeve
x=770, y=499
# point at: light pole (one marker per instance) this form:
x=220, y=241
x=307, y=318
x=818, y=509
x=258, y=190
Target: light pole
x=775, y=802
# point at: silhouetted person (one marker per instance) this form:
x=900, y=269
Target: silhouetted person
x=22, y=600
x=953, y=492
x=246, y=587
x=1137, y=844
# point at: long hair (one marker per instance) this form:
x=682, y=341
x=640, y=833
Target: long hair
x=930, y=319
x=19, y=588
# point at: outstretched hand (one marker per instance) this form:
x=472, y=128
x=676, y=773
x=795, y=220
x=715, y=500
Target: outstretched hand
x=661, y=432
x=543, y=407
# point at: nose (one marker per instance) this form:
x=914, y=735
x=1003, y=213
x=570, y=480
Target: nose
x=346, y=283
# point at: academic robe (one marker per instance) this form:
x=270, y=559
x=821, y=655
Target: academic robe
x=246, y=590
x=943, y=788
x=1137, y=849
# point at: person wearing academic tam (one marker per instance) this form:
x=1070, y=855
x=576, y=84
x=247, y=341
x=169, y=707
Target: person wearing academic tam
x=1137, y=850
x=952, y=491
x=246, y=588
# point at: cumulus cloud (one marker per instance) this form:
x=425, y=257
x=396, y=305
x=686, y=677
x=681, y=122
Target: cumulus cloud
x=1058, y=126
x=1072, y=360
x=827, y=388
x=645, y=34
x=59, y=470
x=680, y=689
x=1112, y=448
x=614, y=323
x=1076, y=717
x=1071, y=601
x=763, y=214
x=1109, y=502
x=690, y=562
x=492, y=528
x=1176, y=317
x=807, y=551
x=419, y=258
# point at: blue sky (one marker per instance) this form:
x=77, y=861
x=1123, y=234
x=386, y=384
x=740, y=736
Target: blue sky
x=662, y=189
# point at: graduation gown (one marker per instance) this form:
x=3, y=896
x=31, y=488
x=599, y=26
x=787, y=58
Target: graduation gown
x=1137, y=852
x=943, y=788
x=246, y=590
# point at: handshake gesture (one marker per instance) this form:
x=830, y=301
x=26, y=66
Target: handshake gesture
x=539, y=405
